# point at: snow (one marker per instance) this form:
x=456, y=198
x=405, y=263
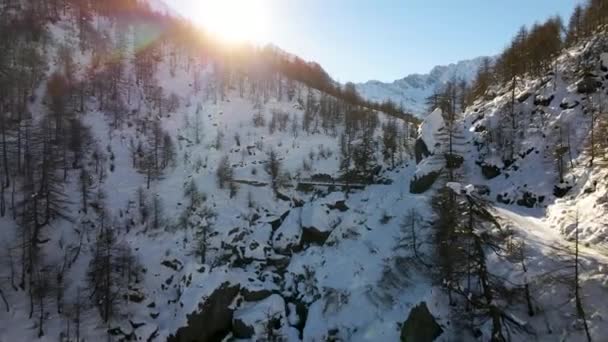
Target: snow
x=460, y=188
x=256, y=314
x=318, y=217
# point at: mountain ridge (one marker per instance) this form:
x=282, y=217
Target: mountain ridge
x=412, y=90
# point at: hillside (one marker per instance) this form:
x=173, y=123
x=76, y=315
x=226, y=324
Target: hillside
x=412, y=91
x=150, y=176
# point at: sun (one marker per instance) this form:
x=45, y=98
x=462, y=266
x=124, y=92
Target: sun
x=234, y=21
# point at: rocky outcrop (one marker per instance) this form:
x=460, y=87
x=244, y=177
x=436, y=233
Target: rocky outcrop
x=420, y=326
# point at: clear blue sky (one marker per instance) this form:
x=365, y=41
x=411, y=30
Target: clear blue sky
x=359, y=40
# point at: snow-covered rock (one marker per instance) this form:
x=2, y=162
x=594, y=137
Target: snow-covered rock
x=288, y=236
x=430, y=128
x=254, y=320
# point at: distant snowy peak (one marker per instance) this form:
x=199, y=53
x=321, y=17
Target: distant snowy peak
x=411, y=91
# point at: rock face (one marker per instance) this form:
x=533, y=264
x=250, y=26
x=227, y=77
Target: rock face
x=420, y=326
x=421, y=150
x=421, y=184
x=213, y=321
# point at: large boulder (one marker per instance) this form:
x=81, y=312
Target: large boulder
x=287, y=237
x=213, y=320
x=421, y=150
x=420, y=184
x=317, y=221
x=420, y=326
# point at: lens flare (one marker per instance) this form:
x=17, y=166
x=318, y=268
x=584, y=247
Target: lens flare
x=234, y=20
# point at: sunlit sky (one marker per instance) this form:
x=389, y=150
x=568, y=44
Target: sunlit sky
x=360, y=40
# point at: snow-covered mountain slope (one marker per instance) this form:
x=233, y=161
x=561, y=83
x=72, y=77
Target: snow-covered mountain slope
x=166, y=191
x=144, y=205
x=543, y=174
x=412, y=91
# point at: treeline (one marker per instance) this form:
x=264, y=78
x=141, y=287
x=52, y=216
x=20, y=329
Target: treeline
x=313, y=75
x=533, y=50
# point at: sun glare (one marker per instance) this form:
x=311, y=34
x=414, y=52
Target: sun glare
x=234, y=20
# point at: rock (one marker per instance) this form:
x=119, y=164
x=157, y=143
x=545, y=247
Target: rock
x=174, y=264
x=277, y=223
x=569, y=104
x=490, y=171
x=252, y=319
x=421, y=150
x=482, y=190
x=136, y=297
x=255, y=295
x=313, y=236
x=528, y=200
x=420, y=326
x=287, y=237
x=480, y=128
x=540, y=100
x=421, y=184
x=588, y=85
x=503, y=198
x=561, y=189
x=213, y=321
x=279, y=261
x=242, y=330
x=523, y=97
x=339, y=205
